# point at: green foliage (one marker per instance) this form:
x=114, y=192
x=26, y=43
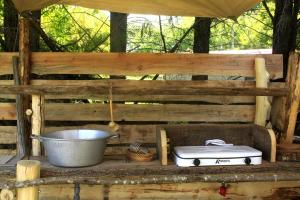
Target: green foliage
x=80, y=29
x=76, y=29
x=253, y=30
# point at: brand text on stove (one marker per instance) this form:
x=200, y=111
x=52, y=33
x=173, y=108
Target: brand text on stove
x=218, y=161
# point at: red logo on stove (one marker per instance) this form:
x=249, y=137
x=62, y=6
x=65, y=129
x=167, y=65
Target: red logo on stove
x=222, y=161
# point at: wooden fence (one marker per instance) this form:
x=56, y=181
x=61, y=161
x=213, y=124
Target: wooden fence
x=138, y=104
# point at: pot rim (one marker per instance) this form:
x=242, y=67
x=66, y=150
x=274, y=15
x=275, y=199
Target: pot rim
x=44, y=137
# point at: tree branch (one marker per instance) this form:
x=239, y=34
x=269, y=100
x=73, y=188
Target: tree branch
x=162, y=35
x=268, y=10
x=176, y=46
x=49, y=41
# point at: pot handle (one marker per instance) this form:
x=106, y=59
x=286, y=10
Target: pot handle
x=36, y=137
x=114, y=136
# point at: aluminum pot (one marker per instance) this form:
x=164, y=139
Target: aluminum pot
x=75, y=148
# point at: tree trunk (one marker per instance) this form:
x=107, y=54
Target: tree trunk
x=201, y=39
x=10, y=15
x=34, y=35
x=118, y=35
x=285, y=29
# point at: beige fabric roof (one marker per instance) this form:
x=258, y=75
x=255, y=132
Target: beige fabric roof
x=201, y=8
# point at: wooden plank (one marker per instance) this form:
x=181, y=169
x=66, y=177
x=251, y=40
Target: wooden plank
x=136, y=97
x=148, y=63
x=7, y=111
x=8, y=135
x=190, y=88
x=140, y=112
x=6, y=62
x=66, y=192
x=130, y=96
x=128, y=133
x=293, y=99
x=7, y=152
x=150, y=112
x=239, y=191
x=115, y=170
x=247, y=190
x=142, y=63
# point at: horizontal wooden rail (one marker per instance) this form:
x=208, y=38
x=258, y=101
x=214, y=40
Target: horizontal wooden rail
x=141, y=85
x=145, y=63
x=164, y=89
x=140, y=112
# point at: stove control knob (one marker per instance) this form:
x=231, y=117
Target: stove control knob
x=196, y=162
x=247, y=161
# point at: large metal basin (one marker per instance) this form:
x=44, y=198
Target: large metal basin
x=75, y=148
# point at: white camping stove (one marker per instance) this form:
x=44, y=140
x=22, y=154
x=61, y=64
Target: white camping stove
x=188, y=156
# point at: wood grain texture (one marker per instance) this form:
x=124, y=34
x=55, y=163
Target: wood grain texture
x=7, y=152
x=262, y=103
x=37, y=122
x=128, y=133
x=140, y=112
x=141, y=85
x=66, y=192
x=6, y=62
x=8, y=111
x=207, y=191
x=150, y=112
x=24, y=69
x=185, y=89
x=273, y=145
x=292, y=100
x=116, y=168
x=142, y=64
x=8, y=134
x=28, y=170
x=145, y=63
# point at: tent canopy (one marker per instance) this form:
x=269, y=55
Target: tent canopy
x=200, y=8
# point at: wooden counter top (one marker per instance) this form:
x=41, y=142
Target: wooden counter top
x=116, y=170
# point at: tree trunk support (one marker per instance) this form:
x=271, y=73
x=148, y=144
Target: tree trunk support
x=292, y=100
x=24, y=71
x=37, y=122
x=28, y=170
x=262, y=102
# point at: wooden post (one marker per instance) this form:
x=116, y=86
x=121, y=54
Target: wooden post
x=164, y=148
x=273, y=145
x=262, y=103
x=292, y=100
x=28, y=170
x=24, y=70
x=6, y=195
x=37, y=122
x=21, y=143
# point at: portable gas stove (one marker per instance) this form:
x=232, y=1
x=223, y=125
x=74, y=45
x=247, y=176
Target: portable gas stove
x=188, y=156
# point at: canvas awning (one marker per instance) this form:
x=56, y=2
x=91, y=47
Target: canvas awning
x=201, y=8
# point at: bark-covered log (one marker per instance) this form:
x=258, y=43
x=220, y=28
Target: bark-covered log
x=201, y=40
x=154, y=179
x=118, y=34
